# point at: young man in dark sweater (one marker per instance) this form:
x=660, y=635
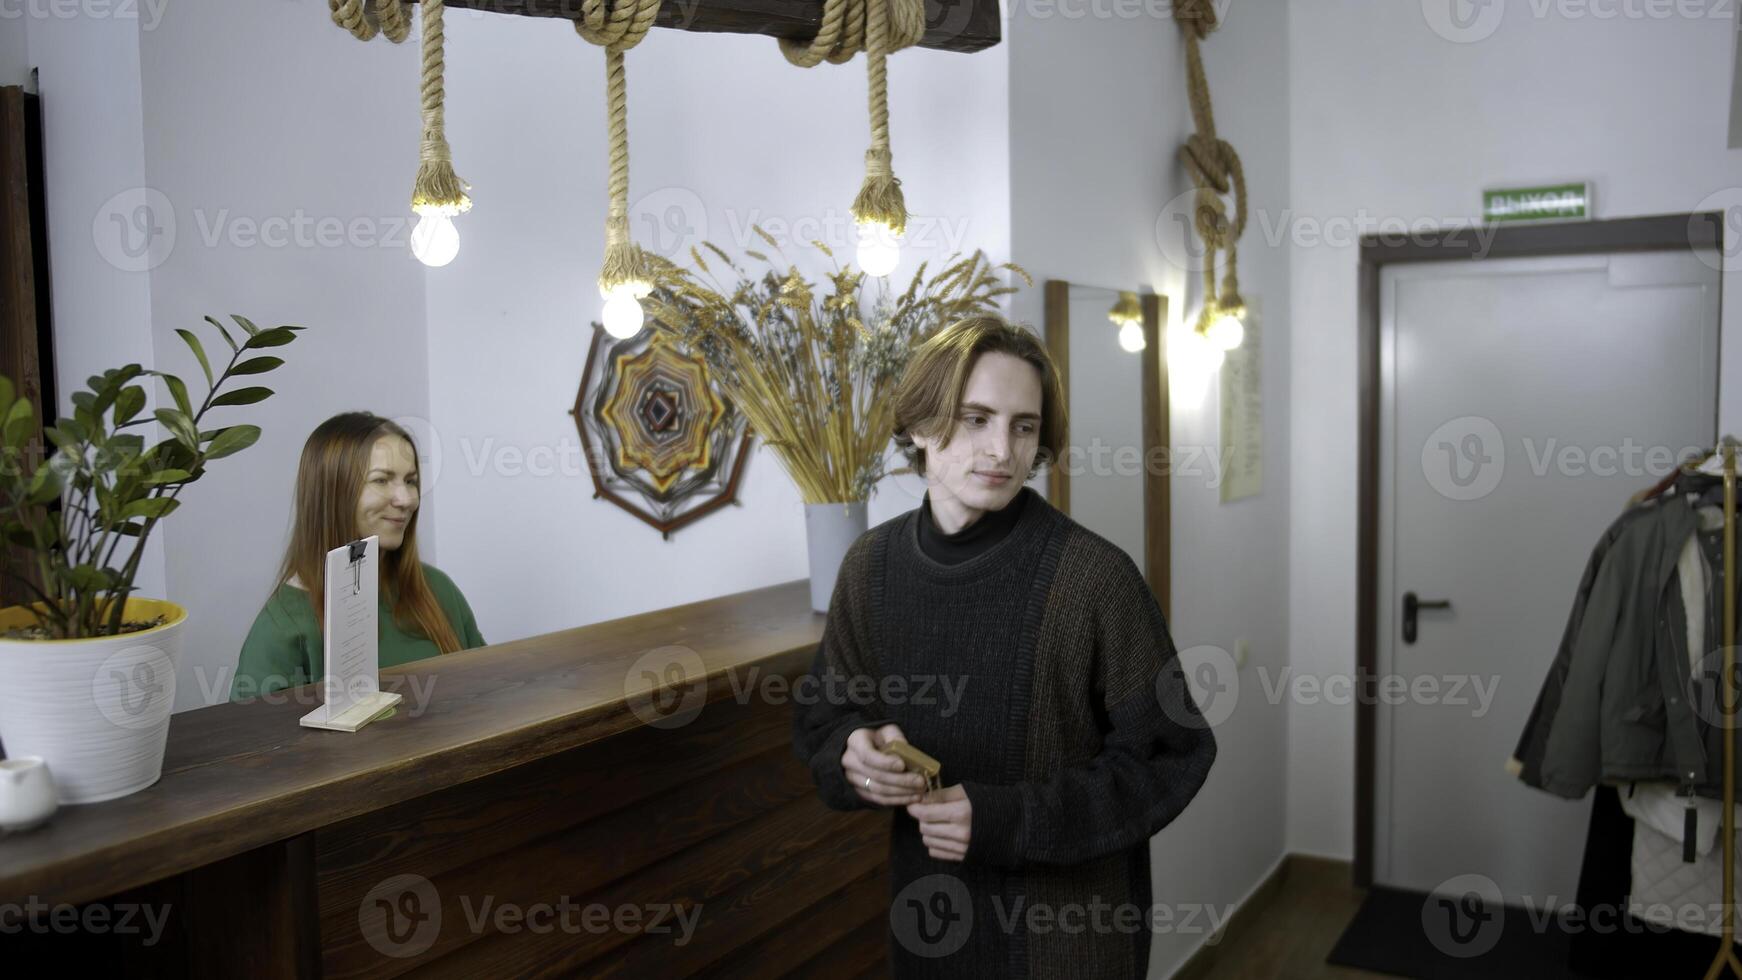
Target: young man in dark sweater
x=1028, y=656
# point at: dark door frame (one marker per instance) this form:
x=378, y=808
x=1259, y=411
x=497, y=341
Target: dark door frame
x=1669, y=232
x=26, y=318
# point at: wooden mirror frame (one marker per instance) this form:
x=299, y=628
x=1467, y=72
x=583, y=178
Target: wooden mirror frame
x=1157, y=496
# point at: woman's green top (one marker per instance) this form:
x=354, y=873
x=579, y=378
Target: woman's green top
x=284, y=648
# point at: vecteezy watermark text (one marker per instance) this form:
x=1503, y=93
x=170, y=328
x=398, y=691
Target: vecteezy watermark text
x=33, y=915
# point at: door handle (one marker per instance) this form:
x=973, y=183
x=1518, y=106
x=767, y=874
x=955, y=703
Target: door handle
x=1412, y=604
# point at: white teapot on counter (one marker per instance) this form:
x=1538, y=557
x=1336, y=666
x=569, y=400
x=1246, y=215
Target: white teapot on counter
x=27, y=797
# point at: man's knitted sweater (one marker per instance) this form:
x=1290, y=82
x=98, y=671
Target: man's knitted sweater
x=1041, y=675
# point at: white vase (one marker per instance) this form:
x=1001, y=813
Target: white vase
x=829, y=530
x=96, y=710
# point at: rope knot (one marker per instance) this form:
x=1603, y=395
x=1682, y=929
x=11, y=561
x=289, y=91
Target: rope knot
x=1198, y=17
x=879, y=162
x=364, y=22
x=434, y=151
x=1214, y=168
x=616, y=24
x=436, y=189
x=616, y=227
x=877, y=27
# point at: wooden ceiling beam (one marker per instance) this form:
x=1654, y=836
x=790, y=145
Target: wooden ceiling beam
x=951, y=25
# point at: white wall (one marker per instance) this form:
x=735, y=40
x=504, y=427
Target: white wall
x=1098, y=112
x=14, y=51
x=1395, y=122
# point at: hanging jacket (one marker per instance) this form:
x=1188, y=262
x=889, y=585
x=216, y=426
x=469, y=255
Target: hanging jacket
x=1526, y=762
x=1616, y=703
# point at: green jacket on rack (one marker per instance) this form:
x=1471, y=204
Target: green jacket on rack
x=1624, y=700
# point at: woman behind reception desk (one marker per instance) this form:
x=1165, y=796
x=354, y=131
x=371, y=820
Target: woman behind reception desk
x=358, y=476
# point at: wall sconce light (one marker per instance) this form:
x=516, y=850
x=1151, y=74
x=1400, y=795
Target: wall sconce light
x=1129, y=316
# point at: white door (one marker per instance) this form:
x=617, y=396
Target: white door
x=1522, y=402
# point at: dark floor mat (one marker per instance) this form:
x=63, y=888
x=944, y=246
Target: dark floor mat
x=1400, y=933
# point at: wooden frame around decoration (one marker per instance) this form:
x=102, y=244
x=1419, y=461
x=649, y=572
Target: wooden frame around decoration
x=1157, y=491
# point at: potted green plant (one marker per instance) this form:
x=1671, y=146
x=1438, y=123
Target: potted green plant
x=87, y=669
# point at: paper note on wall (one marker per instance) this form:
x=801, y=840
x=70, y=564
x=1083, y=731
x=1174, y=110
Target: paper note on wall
x=1242, y=415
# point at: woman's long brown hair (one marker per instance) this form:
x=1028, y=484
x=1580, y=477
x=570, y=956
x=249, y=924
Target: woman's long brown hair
x=329, y=481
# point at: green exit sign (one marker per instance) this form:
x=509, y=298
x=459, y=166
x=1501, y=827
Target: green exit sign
x=1548, y=202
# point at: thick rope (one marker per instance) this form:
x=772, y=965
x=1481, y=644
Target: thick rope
x=437, y=190
x=618, y=27
x=880, y=28
x=387, y=17
x=841, y=36
x=1214, y=168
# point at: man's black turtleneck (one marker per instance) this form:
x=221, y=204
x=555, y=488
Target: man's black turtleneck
x=985, y=532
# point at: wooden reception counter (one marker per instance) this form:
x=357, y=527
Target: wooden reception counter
x=620, y=798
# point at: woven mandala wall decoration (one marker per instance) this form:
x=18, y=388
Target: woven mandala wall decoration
x=661, y=441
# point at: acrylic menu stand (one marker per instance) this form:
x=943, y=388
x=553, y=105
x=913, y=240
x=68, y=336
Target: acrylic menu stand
x=351, y=641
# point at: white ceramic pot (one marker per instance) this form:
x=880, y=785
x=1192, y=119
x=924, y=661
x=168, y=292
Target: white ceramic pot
x=96, y=710
x=829, y=530
x=26, y=794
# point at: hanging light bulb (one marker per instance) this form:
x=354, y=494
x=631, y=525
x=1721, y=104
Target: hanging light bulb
x=435, y=241
x=1128, y=314
x=622, y=315
x=879, y=248
x=1226, y=331
x=437, y=193
x=1131, y=337
x=878, y=259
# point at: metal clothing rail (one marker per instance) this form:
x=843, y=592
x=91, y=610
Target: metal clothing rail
x=1726, y=956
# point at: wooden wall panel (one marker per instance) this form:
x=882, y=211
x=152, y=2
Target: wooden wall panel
x=823, y=932
x=717, y=817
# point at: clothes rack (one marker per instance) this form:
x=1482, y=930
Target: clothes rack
x=1726, y=956
x=1725, y=454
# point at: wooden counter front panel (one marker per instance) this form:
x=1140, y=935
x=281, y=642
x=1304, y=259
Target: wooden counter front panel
x=716, y=815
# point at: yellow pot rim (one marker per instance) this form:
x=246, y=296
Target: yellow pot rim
x=177, y=615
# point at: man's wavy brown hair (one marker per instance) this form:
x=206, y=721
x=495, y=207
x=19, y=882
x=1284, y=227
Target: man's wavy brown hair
x=930, y=393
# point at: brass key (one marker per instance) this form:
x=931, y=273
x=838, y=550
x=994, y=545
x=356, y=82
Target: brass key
x=916, y=761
